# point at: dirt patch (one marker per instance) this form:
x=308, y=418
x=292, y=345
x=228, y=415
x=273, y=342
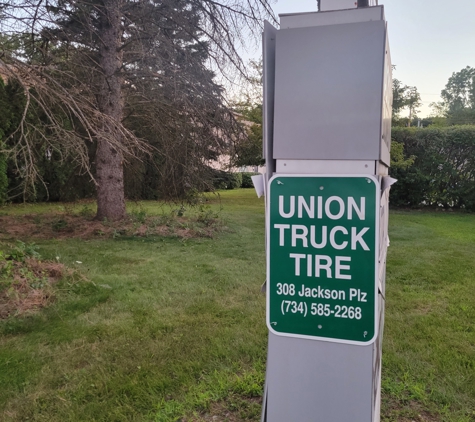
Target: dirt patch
x=227, y=411
x=420, y=417
x=411, y=411
x=61, y=226
x=230, y=411
x=29, y=286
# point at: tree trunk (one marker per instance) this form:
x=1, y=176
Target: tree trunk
x=109, y=160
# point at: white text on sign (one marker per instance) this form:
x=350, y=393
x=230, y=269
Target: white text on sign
x=318, y=237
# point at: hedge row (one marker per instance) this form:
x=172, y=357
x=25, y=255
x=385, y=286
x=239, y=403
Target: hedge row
x=228, y=180
x=437, y=168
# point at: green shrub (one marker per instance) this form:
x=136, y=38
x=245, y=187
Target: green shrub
x=247, y=180
x=437, y=167
x=21, y=251
x=235, y=180
x=227, y=180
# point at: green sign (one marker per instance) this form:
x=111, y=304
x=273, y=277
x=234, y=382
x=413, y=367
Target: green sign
x=322, y=257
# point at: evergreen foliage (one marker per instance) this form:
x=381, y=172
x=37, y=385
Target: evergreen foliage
x=3, y=173
x=6, y=121
x=436, y=167
x=247, y=180
x=58, y=175
x=227, y=180
x=114, y=83
x=248, y=149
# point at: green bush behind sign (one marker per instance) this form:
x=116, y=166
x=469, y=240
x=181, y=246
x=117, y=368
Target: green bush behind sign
x=437, y=167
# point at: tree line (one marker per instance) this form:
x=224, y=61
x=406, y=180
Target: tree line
x=118, y=98
x=457, y=106
x=435, y=163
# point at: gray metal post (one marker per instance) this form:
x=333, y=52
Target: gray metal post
x=327, y=111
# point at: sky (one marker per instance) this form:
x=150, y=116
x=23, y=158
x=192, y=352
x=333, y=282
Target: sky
x=429, y=40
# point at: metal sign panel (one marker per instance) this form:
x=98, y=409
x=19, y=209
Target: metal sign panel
x=327, y=5
x=268, y=44
x=329, y=91
x=322, y=260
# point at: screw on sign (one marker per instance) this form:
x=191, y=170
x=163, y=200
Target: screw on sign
x=322, y=261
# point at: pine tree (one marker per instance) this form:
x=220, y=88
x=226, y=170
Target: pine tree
x=101, y=62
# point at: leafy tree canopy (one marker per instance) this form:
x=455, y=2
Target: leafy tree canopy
x=248, y=148
x=405, y=98
x=458, y=97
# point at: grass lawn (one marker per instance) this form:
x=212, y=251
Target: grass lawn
x=173, y=328
x=429, y=337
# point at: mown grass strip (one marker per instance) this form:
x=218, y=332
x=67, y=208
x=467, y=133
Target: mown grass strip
x=429, y=348
x=162, y=316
